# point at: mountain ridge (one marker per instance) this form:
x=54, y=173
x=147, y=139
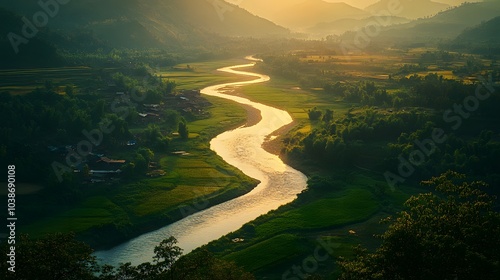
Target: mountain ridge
x=409, y=8
x=153, y=23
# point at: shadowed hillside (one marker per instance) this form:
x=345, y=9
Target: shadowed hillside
x=153, y=23
x=409, y=9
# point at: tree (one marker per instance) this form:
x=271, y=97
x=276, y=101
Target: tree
x=454, y=234
x=183, y=130
x=328, y=116
x=314, y=114
x=128, y=170
x=86, y=171
x=172, y=119
x=61, y=257
x=170, y=87
x=141, y=164
x=56, y=256
x=147, y=154
x=69, y=90
x=152, y=134
x=49, y=85
x=166, y=254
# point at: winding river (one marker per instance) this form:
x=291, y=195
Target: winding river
x=242, y=148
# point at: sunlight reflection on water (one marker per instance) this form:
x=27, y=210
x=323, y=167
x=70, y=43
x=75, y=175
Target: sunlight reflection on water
x=241, y=148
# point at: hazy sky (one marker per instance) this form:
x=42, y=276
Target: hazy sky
x=365, y=3
x=356, y=3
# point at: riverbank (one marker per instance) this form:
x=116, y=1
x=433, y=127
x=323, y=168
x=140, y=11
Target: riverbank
x=110, y=236
x=241, y=148
x=341, y=206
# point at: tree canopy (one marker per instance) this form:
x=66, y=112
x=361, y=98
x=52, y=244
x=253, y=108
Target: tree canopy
x=453, y=233
x=60, y=256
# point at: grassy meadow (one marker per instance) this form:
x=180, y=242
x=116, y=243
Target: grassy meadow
x=346, y=216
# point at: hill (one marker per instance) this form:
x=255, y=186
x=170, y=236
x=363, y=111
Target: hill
x=409, y=8
x=154, y=23
x=484, y=33
x=435, y=30
x=454, y=2
x=482, y=39
x=450, y=23
x=266, y=8
x=15, y=52
x=312, y=12
x=342, y=25
x=301, y=14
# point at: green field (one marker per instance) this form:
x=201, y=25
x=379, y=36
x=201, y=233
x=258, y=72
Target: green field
x=269, y=252
x=201, y=175
x=200, y=75
x=274, y=242
x=353, y=205
x=21, y=81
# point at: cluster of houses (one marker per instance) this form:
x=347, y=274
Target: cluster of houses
x=94, y=168
x=98, y=168
x=102, y=169
x=192, y=102
x=188, y=102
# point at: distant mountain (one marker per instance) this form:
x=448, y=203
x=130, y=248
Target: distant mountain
x=485, y=33
x=481, y=39
x=450, y=23
x=301, y=14
x=444, y=26
x=153, y=23
x=409, y=8
x=342, y=25
x=312, y=12
x=37, y=53
x=455, y=2
x=266, y=8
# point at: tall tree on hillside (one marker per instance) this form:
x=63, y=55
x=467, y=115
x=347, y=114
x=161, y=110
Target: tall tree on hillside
x=183, y=130
x=453, y=234
x=56, y=256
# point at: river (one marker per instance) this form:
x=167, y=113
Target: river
x=242, y=148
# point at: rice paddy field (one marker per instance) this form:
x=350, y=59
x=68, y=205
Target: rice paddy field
x=22, y=81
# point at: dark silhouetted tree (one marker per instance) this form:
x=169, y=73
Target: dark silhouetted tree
x=447, y=235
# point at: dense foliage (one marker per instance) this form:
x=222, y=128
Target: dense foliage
x=60, y=256
x=391, y=119
x=453, y=233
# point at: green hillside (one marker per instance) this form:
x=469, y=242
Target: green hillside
x=170, y=24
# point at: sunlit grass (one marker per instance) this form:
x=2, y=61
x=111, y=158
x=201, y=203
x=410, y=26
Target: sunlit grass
x=166, y=200
x=92, y=212
x=201, y=75
x=223, y=114
x=266, y=253
x=354, y=206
